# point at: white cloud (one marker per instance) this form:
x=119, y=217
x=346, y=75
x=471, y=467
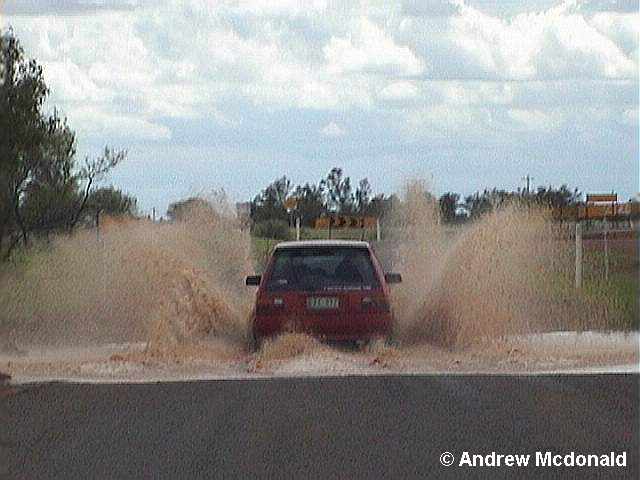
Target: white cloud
x=477, y=93
x=399, y=91
x=448, y=66
x=289, y=8
x=623, y=29
x=333, y=130
x=535, y=120
x=557, y=43
x=101, y=124
x=367, y=48
x=73, y=84
x=448, y=122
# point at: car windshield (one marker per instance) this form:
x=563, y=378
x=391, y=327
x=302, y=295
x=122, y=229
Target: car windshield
x=322, y=268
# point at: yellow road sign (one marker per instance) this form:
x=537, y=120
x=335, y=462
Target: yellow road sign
x=602, y=197
x=345, y=221
x=291, y=203
x=597, y=211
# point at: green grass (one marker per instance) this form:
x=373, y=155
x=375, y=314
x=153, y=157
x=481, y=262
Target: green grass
x=606, y=304
x=620, y=291
x=261, y=249
x=620, y=294
x=368, y=235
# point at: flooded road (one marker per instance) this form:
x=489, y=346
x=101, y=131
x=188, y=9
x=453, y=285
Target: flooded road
x=299, y=355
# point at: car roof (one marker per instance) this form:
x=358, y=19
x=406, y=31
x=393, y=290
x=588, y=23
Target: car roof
x=322, y=243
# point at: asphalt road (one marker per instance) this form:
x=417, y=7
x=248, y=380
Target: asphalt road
x=326, y=427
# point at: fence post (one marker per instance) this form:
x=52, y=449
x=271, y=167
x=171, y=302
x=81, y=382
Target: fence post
x=606, y=249
x=578, y=255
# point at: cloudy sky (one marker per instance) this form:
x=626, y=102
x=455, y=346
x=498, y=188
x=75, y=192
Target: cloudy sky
x=469, y=94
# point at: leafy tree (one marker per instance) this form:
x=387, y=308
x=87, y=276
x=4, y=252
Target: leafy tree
x=310, y=203
x=339, y=197
x=185, y=209
x=41, y=188
x=93, y=171
x=381, y=206
x=276, y=229
x=22, y=133
x=560, y=197
x=269, y=204
x=449, y=206
x=363, y=196
x=112, y=202
x=479, y=204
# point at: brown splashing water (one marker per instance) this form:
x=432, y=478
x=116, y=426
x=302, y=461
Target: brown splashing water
x=507, y=273
x=171, y=285
x=167, y=284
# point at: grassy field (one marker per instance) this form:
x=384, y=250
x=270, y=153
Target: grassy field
x=621, y=289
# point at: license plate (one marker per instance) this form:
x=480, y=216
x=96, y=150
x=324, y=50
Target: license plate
x=322, y=303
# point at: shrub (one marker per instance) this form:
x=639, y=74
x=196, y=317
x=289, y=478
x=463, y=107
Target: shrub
x=277, y=229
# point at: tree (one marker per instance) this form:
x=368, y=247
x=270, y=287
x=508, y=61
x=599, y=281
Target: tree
x=94, y=171
x=449, y=206
x=310, y=203
x=41, y=189
x=269, y=204
x=185, y=210
x=381, y=206
x=50, y=192
x=363, y=196
x=560, y=197
x=479, y=204
x=339, y=198
x=112, y=202
x=22, y=132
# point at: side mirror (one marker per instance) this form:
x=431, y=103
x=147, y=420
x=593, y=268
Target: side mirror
x=392, y=278
x=253, y=280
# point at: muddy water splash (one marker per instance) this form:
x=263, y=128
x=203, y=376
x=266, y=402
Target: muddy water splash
x=504, y=274
x=166, y=284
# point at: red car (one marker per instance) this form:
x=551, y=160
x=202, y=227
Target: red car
x=335, y=290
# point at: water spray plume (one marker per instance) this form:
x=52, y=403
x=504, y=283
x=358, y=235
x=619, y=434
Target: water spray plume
x=502, y=275
x=178, y=287
x=165, y=284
